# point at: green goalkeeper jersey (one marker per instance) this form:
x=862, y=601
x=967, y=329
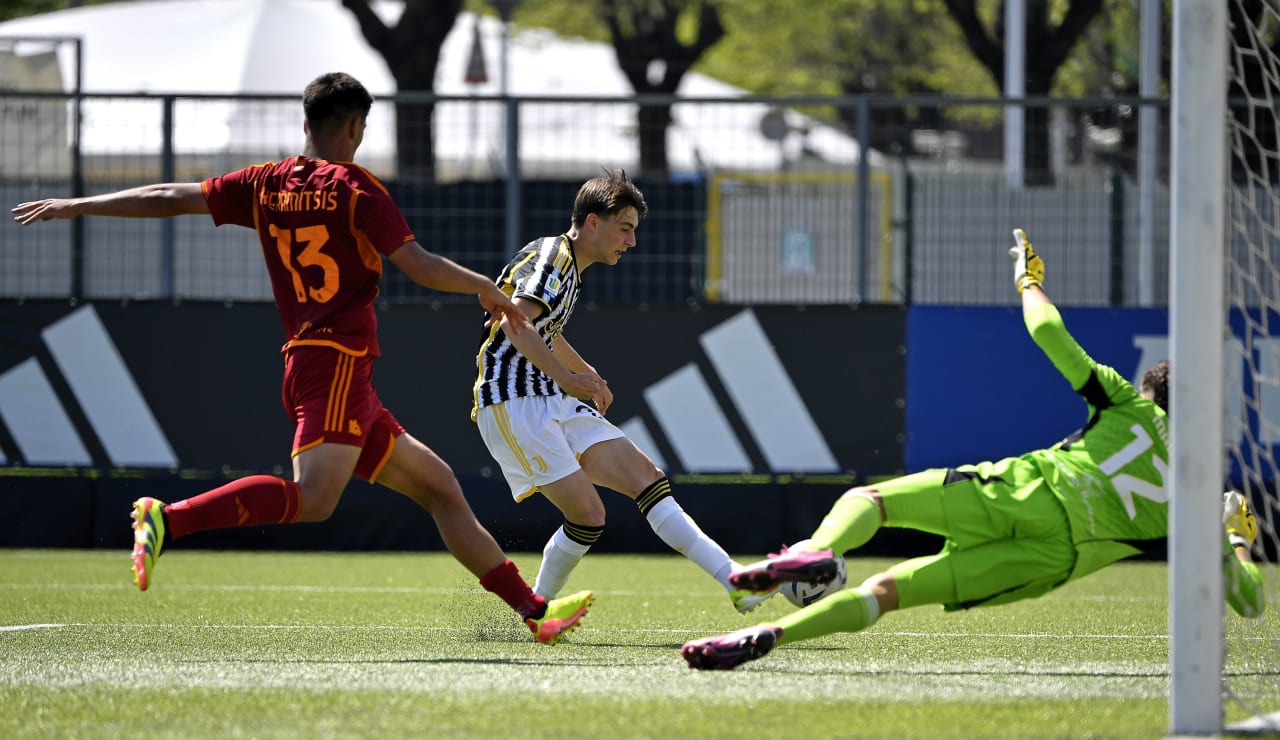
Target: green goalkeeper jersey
x=1110, y=476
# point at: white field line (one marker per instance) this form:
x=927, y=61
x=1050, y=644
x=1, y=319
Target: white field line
x=252, y=587
x=502, y=669
x=872, y=634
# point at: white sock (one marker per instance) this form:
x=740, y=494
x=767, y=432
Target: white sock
x=559, y=558
x=873, y=608
x=682, y=534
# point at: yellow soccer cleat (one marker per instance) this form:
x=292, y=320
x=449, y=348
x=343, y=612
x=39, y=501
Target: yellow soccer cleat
x=561, y=617
x=148, y=538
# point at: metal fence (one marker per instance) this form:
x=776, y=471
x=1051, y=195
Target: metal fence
x=761, y=200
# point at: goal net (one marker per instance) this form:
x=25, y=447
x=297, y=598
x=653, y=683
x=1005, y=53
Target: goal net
x=1251, y=668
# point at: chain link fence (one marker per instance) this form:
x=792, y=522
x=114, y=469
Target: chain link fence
x=757, y=200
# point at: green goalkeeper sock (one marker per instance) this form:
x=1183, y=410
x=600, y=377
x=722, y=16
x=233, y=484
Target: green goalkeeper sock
x=1245, y=590
x=852, y=521
x=844, y=611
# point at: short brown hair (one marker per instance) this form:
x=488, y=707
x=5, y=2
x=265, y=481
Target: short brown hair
x=330, y=99
x=1155, y=381
x=607, y=196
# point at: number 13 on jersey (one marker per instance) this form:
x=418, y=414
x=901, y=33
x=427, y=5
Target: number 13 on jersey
x=314, y=238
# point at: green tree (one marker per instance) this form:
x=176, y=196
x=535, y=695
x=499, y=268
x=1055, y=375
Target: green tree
x=411, y=48
x=850, y=47
x=1050, y=39
x=655, y=56
x=20, y=8
x=881, y=47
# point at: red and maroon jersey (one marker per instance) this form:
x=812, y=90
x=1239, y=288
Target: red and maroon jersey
x=324, y=227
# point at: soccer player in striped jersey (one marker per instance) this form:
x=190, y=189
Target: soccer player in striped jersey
x=534, y=397
x=1015, y=529
x=325, y=225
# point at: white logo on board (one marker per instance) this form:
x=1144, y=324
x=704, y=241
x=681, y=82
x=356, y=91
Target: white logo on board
x=761, y=391
x=104, y=391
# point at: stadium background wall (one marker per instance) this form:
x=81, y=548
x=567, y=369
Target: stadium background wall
x=888, y=389
x=210, y=374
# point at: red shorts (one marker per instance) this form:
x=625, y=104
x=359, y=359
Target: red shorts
x=330, y=397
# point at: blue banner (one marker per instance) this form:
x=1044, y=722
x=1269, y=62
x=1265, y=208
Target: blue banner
x=978, y=387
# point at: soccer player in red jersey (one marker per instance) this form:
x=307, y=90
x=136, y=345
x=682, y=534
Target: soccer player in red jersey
x=325, y=225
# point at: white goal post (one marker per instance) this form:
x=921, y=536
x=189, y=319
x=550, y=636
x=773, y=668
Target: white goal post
x=1197, y=315
x=1224, y=327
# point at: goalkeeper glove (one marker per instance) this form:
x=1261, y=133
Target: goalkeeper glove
x=1028, y=268
x=1242, y=528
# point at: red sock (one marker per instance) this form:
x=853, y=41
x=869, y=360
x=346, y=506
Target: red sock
x=505, y=581
x=247, y=502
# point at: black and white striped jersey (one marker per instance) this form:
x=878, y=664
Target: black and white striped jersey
x=543, y=271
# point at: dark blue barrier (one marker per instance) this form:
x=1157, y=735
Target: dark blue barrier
x=50, y=511
x=209, y=377
x=978, y=387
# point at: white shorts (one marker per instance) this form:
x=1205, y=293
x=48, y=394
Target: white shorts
x=538, y=440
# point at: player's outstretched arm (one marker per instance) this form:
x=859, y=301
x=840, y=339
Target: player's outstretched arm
x=1043, y=321
x=148, y=201
x=441, y=273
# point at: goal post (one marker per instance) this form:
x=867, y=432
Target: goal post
x=1197, y=317
x=1224, y=326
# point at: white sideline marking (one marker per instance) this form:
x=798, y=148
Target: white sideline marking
x=650, y=631
x=19, y=627
x=412, y=672
x=124, y=586
x=1265, y=723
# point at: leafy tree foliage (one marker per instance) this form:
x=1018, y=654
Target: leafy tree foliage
x=1049, y=41
x=411, y=48
x=833, y=47
x=654, y=56
x=10, y=9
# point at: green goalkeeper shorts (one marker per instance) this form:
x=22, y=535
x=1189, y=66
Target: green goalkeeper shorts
x=1007, y=536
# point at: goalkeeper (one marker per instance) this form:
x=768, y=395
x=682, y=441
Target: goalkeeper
x=1016, y=528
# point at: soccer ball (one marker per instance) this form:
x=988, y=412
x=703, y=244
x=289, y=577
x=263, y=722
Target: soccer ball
x=800, y=593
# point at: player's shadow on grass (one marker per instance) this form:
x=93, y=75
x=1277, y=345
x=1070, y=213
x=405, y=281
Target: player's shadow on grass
x=635, y=645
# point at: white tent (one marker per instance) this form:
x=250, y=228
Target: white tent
x=277, y=46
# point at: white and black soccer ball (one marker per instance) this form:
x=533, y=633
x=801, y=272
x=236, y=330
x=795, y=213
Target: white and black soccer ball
x=803, y=594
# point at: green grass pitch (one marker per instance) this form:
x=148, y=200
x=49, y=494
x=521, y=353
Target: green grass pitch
x=272, y=644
